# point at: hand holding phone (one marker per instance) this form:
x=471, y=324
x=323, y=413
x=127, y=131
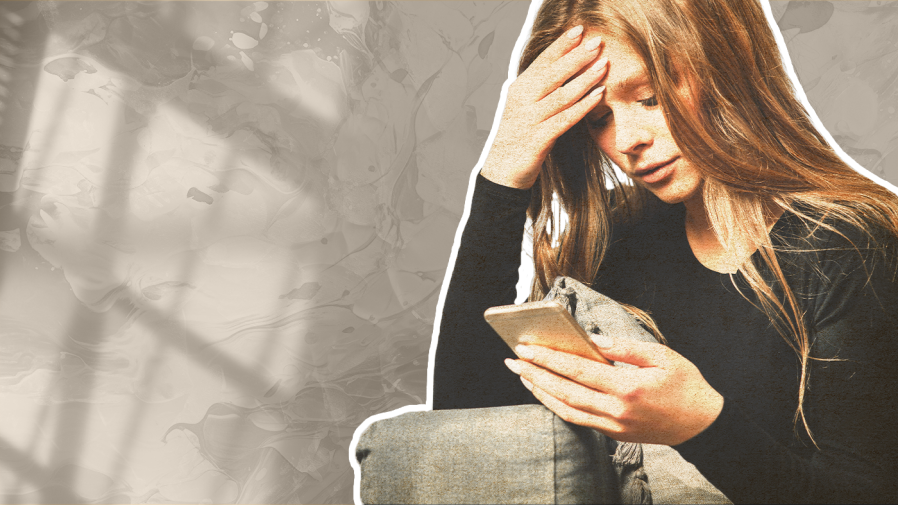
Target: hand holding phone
x=544, y=323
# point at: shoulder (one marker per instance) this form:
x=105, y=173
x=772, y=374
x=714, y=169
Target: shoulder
x=834, y=245
x=845, y=276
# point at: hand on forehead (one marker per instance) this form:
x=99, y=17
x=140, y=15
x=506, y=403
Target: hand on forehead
x=626, y=68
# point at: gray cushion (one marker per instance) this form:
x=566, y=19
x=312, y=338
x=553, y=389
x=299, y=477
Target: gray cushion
x=520, y=454
x=674, y=480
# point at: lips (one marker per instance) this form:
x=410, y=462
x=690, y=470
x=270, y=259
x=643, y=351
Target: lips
x=656, y=171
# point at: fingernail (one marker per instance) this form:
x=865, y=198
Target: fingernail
x=601, y=63
x=524, y=351
x=575, y=32
x=513, y=365
x=527, y=384
x=601, y=341
x=593, y=43
x=596, y=92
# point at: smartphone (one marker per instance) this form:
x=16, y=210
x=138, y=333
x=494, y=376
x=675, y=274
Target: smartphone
x=544, y=323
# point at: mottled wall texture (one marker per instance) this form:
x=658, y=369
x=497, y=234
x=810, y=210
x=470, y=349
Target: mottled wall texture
x=224, y=226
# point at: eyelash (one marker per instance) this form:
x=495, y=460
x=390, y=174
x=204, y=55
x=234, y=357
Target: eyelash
x=651, y=101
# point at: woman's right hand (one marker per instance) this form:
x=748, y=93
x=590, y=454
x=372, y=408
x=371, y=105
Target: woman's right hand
x=540, y=107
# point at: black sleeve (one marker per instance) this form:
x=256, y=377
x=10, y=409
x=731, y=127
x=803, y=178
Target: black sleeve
x=852, y=397
x=469, y=370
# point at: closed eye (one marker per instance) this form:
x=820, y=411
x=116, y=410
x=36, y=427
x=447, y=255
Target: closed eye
x=599, y=123
x=602, y=121
x=652, y=101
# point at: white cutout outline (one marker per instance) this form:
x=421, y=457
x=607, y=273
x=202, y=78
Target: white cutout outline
x=512, y=74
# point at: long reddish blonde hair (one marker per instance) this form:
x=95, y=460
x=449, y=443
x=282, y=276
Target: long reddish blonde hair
x=744, y=130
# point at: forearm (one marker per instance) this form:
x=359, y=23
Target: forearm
x=468, y=371
x=749, y=466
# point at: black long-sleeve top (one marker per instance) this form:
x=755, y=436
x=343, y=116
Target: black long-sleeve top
x=754, y=451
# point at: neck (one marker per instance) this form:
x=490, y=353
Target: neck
x=705, y=246
x=696, y=214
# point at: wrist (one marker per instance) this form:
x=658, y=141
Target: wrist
x=508, y=177
x=708, y=411
x=509, y=169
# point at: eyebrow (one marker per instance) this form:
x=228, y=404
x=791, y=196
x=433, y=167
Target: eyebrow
x=632, y=82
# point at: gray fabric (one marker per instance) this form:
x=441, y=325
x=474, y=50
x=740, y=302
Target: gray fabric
x=520, y=454
x=674, y=480
x=595, y=312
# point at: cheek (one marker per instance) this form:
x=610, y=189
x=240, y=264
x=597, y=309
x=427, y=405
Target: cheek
x=657, y=122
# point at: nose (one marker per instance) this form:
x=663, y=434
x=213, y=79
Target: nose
x=632, y=136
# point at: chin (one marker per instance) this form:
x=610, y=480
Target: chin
x=671, y=199
x=677, y=193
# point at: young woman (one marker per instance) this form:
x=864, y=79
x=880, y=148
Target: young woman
x=766, y=262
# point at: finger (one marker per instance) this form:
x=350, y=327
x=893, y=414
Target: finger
x=607, y=426
x=561, y=46
x=554, y=126
x=565, y=96
x=593, y=374
x=571, y=393
x=575, y=61
x=641, y=354
x=541, y=79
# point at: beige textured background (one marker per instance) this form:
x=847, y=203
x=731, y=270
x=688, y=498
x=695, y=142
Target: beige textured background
x=224, y=226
